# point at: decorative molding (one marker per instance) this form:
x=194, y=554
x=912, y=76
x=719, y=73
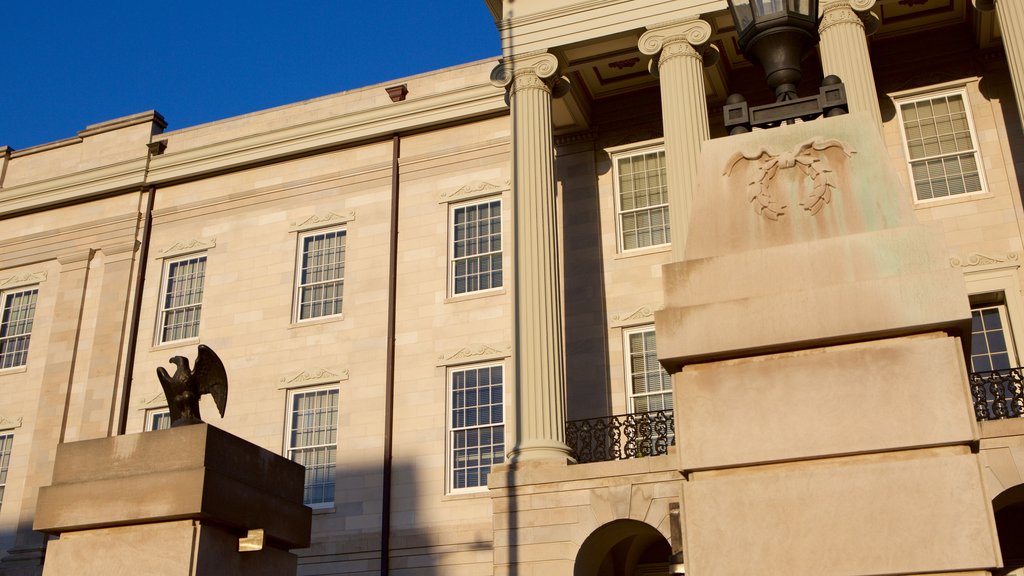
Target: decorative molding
x=23, y=279
x=322, y=220
x=806, y=156
x=10, y=423
x=157, y=401
x=186, y=247
x=474, y=353
x=978, y=259
x=623, y=64
x=474, y=189
x=312, y=378
x=642, y=315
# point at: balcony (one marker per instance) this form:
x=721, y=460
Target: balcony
x=998, y=394
x=621, y=437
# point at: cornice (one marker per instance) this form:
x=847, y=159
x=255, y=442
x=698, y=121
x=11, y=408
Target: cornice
x=23, y=279
x=474, y=353
x=186, y=247
x=642, y=315
x=335, y=131
x=10, y=422
x=475, y=189
x=312, y=377
x=322, y=220
x=73, y=187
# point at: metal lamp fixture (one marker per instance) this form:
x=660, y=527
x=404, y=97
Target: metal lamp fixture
x=777, y=34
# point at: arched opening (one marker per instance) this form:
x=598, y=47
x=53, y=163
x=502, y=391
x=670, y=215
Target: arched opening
x=1009, y=512
x=624, y=548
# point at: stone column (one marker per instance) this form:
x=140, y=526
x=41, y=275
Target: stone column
x=1010, y=14
x=844, y=52
x=678, y=59
x=531, y=80
x=50, y=422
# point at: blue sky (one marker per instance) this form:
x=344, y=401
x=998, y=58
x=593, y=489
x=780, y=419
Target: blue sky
x=71, y=63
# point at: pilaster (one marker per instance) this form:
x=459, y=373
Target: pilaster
x=678, y=50
x=844, y=52
x=531, y=81
x=1010, y=14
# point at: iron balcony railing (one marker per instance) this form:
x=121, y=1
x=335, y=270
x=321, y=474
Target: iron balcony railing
x=621, y=437
x=998, y=394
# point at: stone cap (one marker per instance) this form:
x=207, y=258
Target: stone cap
x=191, y=472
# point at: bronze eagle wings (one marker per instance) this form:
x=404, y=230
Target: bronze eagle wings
x=184, y=389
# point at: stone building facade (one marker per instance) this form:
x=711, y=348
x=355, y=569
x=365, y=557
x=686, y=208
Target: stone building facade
x=433, y=291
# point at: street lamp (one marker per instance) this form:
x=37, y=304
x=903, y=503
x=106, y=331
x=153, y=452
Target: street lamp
x=778, y=35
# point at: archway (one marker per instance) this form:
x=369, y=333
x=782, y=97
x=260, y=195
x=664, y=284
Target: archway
x=1009, y=512
x=624, y=548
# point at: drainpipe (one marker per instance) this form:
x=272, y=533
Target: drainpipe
x=389, y=377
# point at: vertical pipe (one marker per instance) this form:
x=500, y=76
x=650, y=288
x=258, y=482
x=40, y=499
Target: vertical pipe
x=389, y=377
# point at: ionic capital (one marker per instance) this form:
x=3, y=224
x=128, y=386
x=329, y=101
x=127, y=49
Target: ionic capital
x=681, y=38
x=538, y=70
x=844, y=12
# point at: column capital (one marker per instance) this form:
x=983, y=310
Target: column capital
x=679, y=38
x=543, y=66
x=835, y=12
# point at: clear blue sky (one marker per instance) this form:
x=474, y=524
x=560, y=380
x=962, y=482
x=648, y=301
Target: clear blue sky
x=69, y=63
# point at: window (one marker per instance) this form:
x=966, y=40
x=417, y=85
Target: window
x=941, y=146
x=321, y=274
x=182, y=299
x=642, y=200
x=17, y=309
x=650, y=386
x=313, y=441
x=991, y=342
x=476, y=247
x=6, y=442
x=477, y=424
x=158, y=420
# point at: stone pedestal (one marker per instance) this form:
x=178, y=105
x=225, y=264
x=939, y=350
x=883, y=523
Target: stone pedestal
x=823, y=416
x=172, y=503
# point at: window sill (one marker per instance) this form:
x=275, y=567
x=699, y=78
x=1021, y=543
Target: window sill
x=174, y=344
x=643, y=251
x=317, y=511
x=969, y=197
x=316, y=321
x=476, y=295
x=14, y=370
x=467, y=494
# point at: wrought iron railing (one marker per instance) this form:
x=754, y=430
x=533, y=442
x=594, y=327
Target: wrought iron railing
x=621, y=437
x=998, y=394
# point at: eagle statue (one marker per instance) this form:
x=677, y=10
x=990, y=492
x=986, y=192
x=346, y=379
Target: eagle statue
x=184, y=389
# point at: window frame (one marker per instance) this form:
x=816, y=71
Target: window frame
x=627, y=355
x=929, y=94
x=298, y=286
x=289, y=448
x=164, y=284
x=452, y=430
x=153, y=418
x=453, y=261
x=994, y=300
x=617, y=154
x=4, y=295
x=6, y=439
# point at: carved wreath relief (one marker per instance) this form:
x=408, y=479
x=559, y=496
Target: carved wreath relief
x=806, y=156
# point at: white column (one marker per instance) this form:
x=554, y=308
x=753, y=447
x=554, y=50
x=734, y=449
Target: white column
x=540, y=373
x=1010, y=15
x=677, y=49
x=844, y=52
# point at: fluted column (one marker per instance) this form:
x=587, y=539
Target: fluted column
x=844, y=52
x=540, y=374
x=678, y=52
x=1010, y=14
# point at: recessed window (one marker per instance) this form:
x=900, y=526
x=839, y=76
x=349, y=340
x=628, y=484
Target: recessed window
x=17, y=311
x=313, y=441
x=477, y=425
x=6, y=442
x=476, y=248
x=158, y=419
x=182, y=298
x=991, y=338
x=642, y=200
x=321, y=274
x=941, y=145
x=650, y=386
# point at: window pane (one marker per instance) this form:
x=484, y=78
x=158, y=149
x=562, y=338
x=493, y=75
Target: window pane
x=476, y=247
x=312, y=441
x=643, y=200
x=477, y=429
x=182, y=299
x=941, y=147
x=16, y=317
x=321, y=275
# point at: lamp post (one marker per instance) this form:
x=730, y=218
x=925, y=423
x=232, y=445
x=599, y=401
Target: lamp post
x=778, y=35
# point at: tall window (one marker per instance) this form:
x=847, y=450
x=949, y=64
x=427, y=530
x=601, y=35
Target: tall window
x=991, y=342
x=182, y=299
x=477, y=424
x=321, y=274
x=6, y=441
x=158, y=419
x=650, y=386
x=642, y=200
x=17, y=309
x=476, y=247
x=941, y=146
x=313, y=441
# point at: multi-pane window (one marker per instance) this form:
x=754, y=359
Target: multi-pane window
x=17, y=309
x=158, y=420
x=642, y=200
x=182, y=299
x=991, y=346
x=313, y=441
x=476, y=247
x=321, y=274
x=477, y=424
x=6, y=441
x=650, y=386
x=941, y=147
